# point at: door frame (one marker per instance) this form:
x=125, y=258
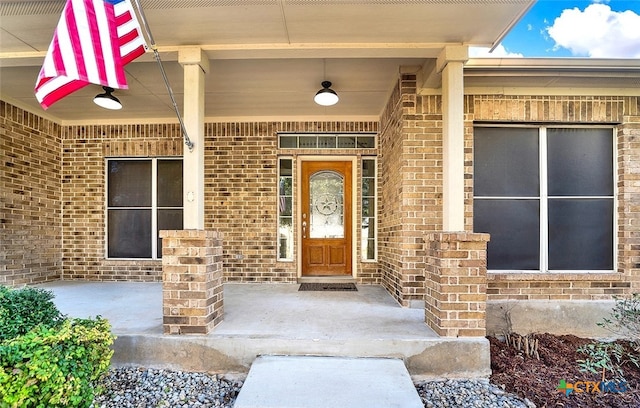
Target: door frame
x=354, y=211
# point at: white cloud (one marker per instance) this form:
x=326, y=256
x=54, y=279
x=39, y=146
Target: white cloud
x=598, y=32
x=499, y=52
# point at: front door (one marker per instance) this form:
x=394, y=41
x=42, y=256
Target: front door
x=326, y=218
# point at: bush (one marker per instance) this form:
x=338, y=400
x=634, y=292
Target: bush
x=55, y=366
x=625, y=318
x=23, y=309
x=603, y=357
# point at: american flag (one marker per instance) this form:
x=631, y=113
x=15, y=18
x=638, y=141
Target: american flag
x=92, y=43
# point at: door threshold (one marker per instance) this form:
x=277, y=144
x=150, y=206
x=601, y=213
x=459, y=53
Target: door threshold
x=326, y=279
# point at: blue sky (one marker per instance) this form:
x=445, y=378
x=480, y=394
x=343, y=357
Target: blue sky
x=574, y=28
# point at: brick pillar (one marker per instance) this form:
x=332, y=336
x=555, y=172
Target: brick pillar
x=456, y=283
x=191, y=281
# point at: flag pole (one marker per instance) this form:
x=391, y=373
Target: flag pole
x=156, y=54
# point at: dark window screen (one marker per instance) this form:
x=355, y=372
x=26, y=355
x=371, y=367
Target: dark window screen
x=129, y=233
x=514, y=226
x=168, y=220
x=129, y=183
x=170, y=183
x=506, y=162
x=580, y=162
x=581, y=234
x=130, y=213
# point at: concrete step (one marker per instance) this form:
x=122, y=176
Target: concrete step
x=322, y=382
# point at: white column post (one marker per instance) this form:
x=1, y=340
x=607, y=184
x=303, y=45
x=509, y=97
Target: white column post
x=195, y=65
x=451, y=62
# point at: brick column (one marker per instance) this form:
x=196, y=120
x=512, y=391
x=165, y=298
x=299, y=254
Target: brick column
x=456, y=283
x=191, y=281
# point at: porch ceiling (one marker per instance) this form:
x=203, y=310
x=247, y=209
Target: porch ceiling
x=268, y=57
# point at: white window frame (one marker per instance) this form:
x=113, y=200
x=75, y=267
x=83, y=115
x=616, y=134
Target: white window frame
x=153, y=207
x=543, y=198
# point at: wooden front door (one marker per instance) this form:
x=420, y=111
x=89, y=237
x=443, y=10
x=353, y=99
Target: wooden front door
x=326, y=218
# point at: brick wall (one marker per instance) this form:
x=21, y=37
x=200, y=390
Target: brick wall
x=30, y=205
x=240, y=190
x=53, y=192
x=241, y=195
x=581, y=110
x=410, y=187
x=83, y=195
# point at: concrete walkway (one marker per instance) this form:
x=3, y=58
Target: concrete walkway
x=321, y=382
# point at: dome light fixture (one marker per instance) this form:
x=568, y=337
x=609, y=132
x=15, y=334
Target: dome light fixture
x=326, y=96
x=106, y=100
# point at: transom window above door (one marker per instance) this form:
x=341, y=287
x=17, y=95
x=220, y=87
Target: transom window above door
x=326, y=141
x=547, y=197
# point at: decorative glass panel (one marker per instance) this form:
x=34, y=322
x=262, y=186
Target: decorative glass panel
x=506, y=162
x=346, y=142
x=285, y=209
x=285, y=238
x=129, y=183
x=366, y=142
x=288, y=142
x=326, y=189
x=368, y=232
x=307, y=142
x=368, y=187
x=327, y=142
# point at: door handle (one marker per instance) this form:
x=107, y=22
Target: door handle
x=304, y=229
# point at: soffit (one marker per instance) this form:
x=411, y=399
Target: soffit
x=268, y=57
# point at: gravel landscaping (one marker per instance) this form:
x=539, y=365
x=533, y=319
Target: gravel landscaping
x=137, y=387
x=145, y=388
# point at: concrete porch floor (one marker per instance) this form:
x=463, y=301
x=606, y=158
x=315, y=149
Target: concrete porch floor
x=272, y=319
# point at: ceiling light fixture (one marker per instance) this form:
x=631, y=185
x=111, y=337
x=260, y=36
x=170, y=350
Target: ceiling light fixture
x=326, y=96
x=106, y=100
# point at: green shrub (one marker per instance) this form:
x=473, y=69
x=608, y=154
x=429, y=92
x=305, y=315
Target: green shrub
x=603, y=357
x=625, y=318
x=23, y=309
x=55, y=366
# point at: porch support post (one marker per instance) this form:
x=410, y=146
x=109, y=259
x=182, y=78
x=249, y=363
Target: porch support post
x=456, y=283
x=192, y=297
x=195, y=65
x=450, y=63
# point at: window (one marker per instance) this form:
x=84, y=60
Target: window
x=368, y=209
x=144, y=196
x=327, y=141
x=546, y=196
x=285, y=209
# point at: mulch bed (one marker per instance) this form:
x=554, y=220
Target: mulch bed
x=537, y=380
